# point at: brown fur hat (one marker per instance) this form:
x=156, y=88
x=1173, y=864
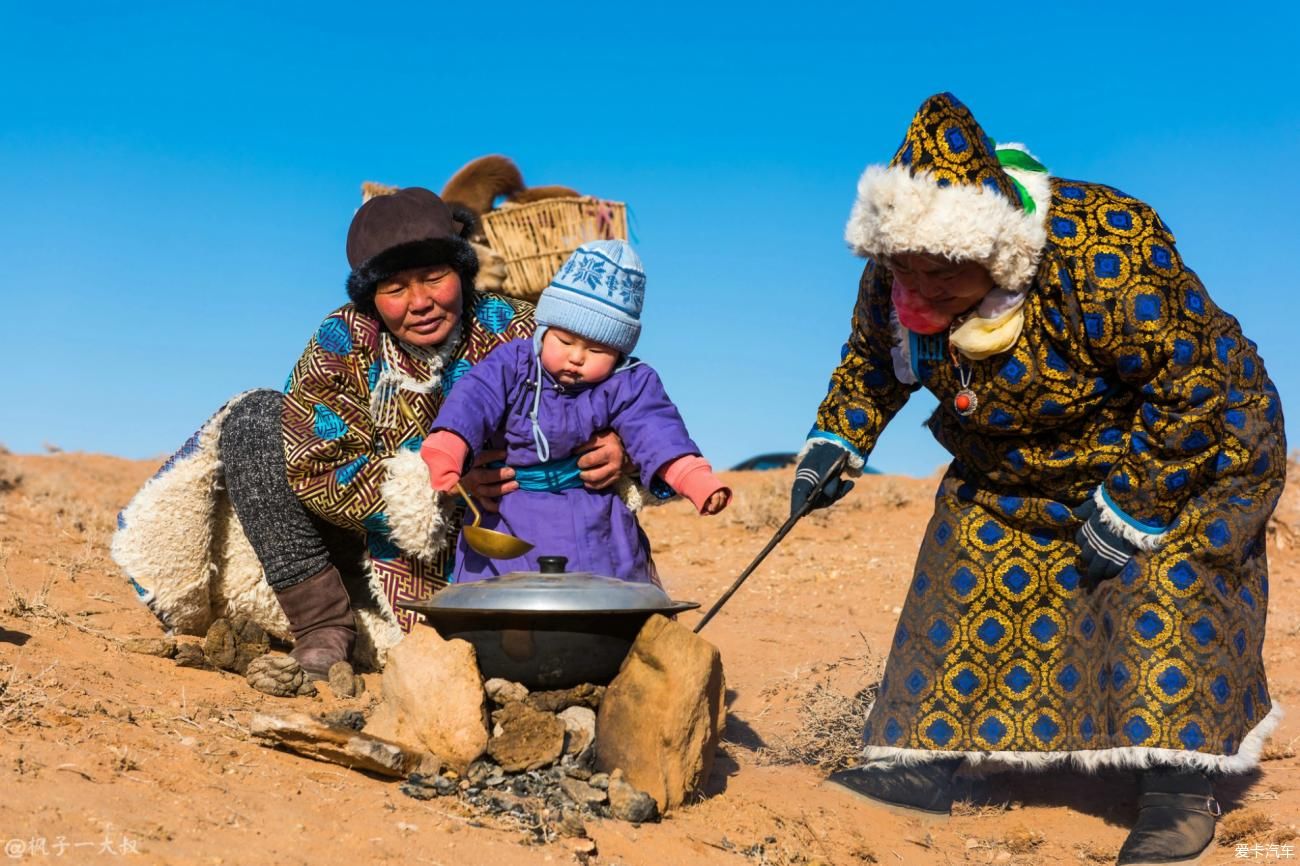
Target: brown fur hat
x=408, y=228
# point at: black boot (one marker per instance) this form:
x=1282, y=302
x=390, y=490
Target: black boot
x=1176, y=816
x=925, y=788
x=320, y=617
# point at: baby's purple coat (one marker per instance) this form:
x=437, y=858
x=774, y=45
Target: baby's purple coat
x=489, y=408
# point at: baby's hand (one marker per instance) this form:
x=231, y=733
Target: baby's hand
x=717, y=501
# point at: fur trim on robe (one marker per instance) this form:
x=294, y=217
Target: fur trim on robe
x=1095, y=760
x=186, y=555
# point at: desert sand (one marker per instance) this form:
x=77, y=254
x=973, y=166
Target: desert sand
x=109, y=756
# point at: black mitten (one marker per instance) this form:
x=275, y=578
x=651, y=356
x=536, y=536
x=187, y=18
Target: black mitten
x=1103, y=551
x=821, y=461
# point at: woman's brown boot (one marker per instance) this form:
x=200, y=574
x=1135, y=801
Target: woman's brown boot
x=925, y=788
x=320, y=617
x=1176, y=816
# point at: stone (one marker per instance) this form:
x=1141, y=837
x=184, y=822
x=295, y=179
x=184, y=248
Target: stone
x=163, y=647
x=484, y=774
x=579, y=728
x=316, y=738
x=582, y=848
x=251, y=641
x=662, y=717
x=599, y=780
x=344, y=682
x=529, y=739
x=571, y=825
x=574, y=770
x=433, y=697
x=584, y=695
x=582, y=793
x=190, y=655
x=626, y=803
x=423, y=787
x=502, y=692
x=278, y=675
x=352, y=719
x=219, y=646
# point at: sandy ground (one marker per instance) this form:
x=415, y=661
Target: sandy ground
x=108, y=756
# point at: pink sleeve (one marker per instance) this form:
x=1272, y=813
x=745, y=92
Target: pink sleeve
x=444, y=453
x=692, y=477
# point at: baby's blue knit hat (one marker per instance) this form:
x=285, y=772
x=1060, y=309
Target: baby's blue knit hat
x=597, y=294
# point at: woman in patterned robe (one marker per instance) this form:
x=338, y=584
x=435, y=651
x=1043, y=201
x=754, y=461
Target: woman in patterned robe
x=1092, y=586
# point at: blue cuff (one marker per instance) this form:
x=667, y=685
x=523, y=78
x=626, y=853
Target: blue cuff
x=814, y=433
x=1122, y=515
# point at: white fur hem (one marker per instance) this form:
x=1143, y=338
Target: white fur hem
x=377, y=628
x=856, y=462
x=1094, y=760
x=416, y=520
x=634, y=496
x=1116, y=521
x=898, y=212
x=164, y=540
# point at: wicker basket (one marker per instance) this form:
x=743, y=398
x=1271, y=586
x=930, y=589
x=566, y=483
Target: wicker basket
x=535, y=239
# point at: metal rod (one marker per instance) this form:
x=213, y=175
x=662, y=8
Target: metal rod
x=836, y=468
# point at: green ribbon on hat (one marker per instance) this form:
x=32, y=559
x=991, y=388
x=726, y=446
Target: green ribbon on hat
x=1013, y=158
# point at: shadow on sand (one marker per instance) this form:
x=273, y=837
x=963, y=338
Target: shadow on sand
x=1111, y=795
x=737, y=733
x=17, y=638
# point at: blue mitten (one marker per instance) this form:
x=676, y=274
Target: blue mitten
x=1103, y=551
x=819, y=462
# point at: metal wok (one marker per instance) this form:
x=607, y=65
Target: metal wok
x=548, y=629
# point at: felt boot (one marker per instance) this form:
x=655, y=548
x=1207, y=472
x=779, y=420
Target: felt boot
x=926, y=788
x=320, y=617
x=1176, y=816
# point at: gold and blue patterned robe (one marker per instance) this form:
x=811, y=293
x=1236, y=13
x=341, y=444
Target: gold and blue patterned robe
x=1126, y=377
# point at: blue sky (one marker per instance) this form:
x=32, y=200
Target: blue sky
x=180, y=178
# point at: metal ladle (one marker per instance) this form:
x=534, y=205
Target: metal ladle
x=489, y=542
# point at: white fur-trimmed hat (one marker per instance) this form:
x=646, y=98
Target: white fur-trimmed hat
x=950, y=191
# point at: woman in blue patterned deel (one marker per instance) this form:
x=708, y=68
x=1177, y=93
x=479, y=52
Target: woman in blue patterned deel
x=1092, y=586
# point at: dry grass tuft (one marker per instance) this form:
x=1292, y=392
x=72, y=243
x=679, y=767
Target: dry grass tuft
x=36, y=606
x=1243, y=825
x=969, y=809
x=1091, y=852
x=10, y=478
x=765, y=506
x=30, y=606
x=122, y=760
x=1275, y=751
x=18, y=604
x=1281, y=533
x=1022, y=841
x=830, y=731
x=20, y=697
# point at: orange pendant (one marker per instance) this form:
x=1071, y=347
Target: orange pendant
x=965, y=402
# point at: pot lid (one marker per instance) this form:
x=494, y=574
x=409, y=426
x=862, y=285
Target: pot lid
x=550, y=590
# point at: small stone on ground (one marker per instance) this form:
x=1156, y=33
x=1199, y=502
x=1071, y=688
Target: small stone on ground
x=163, y=647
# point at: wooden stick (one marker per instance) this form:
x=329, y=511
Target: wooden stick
x=309, y=736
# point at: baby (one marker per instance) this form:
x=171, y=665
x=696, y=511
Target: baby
x=540, y=399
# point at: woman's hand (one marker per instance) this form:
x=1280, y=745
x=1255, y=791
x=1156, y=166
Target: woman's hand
x=1103, y=552
x=601, y=460
x=486, y=484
